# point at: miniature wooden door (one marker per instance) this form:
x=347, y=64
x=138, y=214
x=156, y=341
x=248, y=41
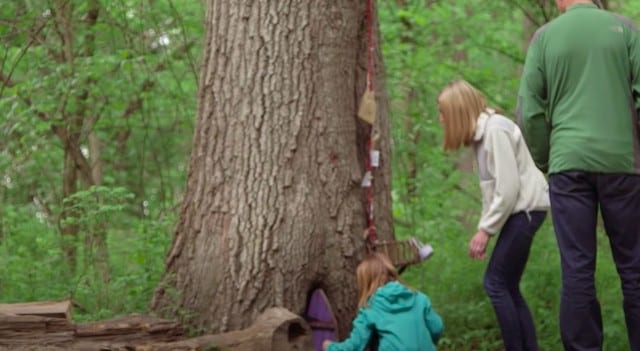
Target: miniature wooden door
x=321, y=319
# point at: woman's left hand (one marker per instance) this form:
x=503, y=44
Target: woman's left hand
x=325, y=345
x=478, y=245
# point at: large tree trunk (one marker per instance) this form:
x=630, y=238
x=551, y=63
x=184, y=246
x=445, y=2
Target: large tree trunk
x=274, y=206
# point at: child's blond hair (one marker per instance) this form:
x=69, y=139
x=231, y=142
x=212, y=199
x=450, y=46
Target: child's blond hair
x=373, y=272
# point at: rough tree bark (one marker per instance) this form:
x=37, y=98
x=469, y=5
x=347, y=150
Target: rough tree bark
x=273, y=206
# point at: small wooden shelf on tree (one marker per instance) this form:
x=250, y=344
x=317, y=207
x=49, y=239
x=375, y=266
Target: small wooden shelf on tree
x=403, y=253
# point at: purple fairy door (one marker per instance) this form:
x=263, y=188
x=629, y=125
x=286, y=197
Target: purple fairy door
x=320, y=317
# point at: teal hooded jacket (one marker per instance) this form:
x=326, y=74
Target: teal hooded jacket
x=401, y=319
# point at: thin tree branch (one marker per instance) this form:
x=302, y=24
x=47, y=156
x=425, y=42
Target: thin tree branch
x=7, y=80
x=527, y=14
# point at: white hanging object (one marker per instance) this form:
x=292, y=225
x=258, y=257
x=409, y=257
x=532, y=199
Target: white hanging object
x=425, y=251
x=374, y=156
x=367, y=180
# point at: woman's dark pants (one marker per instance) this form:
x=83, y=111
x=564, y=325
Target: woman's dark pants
x=502, y=280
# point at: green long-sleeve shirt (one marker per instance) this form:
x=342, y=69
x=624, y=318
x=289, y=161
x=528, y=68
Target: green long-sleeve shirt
x=579, y=93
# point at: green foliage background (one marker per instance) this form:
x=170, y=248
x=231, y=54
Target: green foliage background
x=137, y=83
x=135, y=75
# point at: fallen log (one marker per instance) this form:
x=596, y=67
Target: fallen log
x=20, y=330
x=132, y=330
x=276, y=329
x=35, y=332
x=52, y=309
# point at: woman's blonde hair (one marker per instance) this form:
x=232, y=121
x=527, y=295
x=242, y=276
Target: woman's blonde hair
x=460, y=104
x=373, y=272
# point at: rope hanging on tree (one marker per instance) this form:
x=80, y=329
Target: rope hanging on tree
x=367, y=112
x=405, y=252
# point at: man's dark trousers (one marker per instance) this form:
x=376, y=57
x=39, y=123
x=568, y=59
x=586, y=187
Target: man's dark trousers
x=575, y=197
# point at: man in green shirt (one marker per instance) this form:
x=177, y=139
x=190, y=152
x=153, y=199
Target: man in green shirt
x=578, y=108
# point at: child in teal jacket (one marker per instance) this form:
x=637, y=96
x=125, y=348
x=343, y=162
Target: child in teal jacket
x=398, y=318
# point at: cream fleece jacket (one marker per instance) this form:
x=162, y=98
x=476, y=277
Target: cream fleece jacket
x=509, y=179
